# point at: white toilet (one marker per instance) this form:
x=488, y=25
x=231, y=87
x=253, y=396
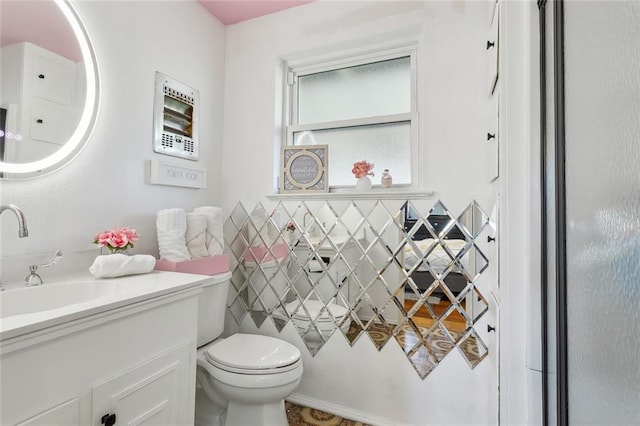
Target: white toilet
x=303, y=318
x=326, y=319
x=314, y=311
x=242, y=379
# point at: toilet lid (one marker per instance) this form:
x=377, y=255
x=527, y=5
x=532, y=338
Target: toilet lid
x=252, y=352
x=313, y=308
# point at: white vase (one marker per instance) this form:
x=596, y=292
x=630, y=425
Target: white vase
x=105, y=251
x=363, y=184
x=291, y=237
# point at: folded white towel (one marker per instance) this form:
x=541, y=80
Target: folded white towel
x=196, y=236
x=118, y=265
x=215, y=240
x=171, y=227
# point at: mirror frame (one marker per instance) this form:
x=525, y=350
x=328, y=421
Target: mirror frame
x=80, y=136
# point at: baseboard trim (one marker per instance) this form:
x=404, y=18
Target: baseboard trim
x=342, y=411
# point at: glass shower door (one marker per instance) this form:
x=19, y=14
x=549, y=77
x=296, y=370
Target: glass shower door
x=602, y=216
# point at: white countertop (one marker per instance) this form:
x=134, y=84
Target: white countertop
x=116, y=293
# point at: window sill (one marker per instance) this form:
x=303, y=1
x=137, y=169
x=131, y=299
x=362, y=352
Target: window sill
x=374, y=194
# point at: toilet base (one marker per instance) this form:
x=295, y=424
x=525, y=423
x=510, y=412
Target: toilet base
x=270, y=414
x=206, y=413
x=224, y=398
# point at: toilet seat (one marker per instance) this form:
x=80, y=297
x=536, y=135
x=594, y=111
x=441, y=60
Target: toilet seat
x=314, y=307
x=252, y=354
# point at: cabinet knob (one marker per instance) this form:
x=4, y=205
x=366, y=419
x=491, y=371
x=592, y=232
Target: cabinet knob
x=108, y=419
x=490, y=44
x=41, y=76
x=491, y=136
x=39, y=121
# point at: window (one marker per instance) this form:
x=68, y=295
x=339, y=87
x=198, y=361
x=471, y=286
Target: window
x=363, y=107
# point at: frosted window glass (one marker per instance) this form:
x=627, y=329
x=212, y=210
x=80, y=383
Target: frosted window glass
x=602, y=57
x=379, y=88
x=385, y=145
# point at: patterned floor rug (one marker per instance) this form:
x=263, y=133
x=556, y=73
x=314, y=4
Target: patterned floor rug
x=305, y=416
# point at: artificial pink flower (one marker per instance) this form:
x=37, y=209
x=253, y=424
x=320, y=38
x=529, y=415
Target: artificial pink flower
x=131, y=234
x=362, y=169
x=116, y=239
x=102, y=237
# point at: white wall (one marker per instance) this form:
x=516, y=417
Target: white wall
x=105, y=186
x=451, y=92
x=452, y=99
x=520, y=384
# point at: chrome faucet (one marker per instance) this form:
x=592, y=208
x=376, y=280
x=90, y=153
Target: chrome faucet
x=22, y=224
x=33, y=278
x=22, y=221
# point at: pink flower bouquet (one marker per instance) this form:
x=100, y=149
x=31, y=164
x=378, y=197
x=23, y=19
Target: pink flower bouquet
x=116, y=240
x=362, y=169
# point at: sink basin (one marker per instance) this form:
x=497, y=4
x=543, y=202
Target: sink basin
x=78, y=298
x=51, y=296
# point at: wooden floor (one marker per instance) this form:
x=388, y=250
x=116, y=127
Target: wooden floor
x=454, y=321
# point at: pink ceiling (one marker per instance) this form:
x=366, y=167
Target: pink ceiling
x=38, y=22
x=234, y=11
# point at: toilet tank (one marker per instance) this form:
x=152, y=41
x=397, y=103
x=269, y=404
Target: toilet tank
x=273, y=277
x=212, y=306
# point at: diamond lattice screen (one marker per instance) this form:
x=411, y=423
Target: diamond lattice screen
x=394, y=272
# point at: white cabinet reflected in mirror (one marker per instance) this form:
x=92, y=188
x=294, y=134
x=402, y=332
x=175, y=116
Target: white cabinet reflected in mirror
x=49, y=86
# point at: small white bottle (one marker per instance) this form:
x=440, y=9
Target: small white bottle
x=386, y=180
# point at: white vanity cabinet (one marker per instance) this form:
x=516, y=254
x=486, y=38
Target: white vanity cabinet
x=148, y=394
x=43, y=88
x=134, y=364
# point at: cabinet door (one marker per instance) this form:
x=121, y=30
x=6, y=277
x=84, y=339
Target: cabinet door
x=493, y=50
x=157, y=392
x=493, y=138
x=50, y=122
x=65, y=414
x=52, y=77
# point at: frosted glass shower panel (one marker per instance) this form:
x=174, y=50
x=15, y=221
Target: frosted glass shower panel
x=602, y=54
x=375, y=89
x=388, y=146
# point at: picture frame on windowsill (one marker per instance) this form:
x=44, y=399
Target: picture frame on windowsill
x=304, y=169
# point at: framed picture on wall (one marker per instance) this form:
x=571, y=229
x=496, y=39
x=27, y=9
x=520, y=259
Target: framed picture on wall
x=304, y=168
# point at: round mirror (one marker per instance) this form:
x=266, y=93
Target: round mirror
x=49, y=87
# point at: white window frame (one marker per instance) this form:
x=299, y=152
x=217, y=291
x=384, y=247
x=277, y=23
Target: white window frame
x=295, y=69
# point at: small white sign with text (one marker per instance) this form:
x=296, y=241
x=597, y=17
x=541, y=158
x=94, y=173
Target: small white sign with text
x=166, y=173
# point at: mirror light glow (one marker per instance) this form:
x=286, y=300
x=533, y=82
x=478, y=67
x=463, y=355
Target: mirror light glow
x=90, y=111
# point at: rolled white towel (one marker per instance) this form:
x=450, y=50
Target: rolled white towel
x=196, y=236
x=215, y=240
x=118, y=265
x=171, y=227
